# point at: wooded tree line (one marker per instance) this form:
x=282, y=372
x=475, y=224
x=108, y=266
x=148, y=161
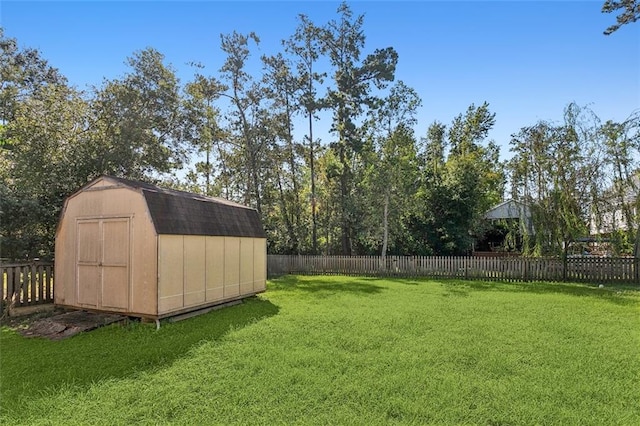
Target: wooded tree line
x=374, y=188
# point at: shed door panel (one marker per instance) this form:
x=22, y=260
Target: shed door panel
x=88, y=258
x=89, y=242
x=88, y=281
x=103, y=263
x=115, y=264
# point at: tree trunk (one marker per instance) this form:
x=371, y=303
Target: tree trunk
x=385, y=229
x=565, y=260
x=208, y=173
x=256, y=186
x=636, y=245
x=292, y=163
x=314, y=220
x=225, y=179
x=344, y=196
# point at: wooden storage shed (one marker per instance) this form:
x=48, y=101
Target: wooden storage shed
x=141, y=250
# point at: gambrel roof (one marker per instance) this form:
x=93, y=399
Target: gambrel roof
x=176, y=212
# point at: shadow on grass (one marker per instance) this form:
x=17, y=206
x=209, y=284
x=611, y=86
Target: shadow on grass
x=324, y=285
x=29, y=367
x=614, y=294
x=400, y=280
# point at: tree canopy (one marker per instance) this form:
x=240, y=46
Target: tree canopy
x=380, y=183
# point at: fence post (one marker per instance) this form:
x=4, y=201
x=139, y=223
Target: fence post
x=466, y=267
x=2, y=281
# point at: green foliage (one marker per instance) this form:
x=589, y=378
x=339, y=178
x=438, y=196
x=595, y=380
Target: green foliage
x=59, y=140
x=283, y=89
x=338, y=350
x=44, y=165
x=559, y=171
x=458, y=186
x=629, y=12
x=614, y=211
x=354, y=80
x=22, y=236
x=24, y=73
x=236, y=134
x=201, y=128
x=304, y=46
x=138, y=120
x=247, y=131
x=390, y=172
x=37, y=126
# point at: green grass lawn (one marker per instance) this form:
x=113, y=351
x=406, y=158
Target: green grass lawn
x=339, y=350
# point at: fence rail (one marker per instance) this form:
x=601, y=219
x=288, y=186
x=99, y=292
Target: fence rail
x=582, y=269
x=25, y=284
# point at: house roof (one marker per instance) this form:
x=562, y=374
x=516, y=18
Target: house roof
x=509, y=209
x=183, y=213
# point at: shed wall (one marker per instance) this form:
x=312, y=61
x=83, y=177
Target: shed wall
x=259, y=264
x=122, y=216
x=203, y=270
x=214, y=258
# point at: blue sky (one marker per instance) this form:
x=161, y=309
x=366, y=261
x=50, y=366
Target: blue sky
x=527, y=59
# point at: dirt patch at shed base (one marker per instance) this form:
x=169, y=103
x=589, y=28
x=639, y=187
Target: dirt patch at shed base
x=69, y=324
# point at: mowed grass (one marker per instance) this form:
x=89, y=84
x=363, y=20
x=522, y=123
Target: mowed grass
x=340, y=350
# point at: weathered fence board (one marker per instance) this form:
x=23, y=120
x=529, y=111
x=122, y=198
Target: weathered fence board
x=26, y=284
x=503, y=268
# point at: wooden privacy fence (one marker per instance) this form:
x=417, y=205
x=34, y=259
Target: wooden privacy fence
x=579, y=269
x=26, y=284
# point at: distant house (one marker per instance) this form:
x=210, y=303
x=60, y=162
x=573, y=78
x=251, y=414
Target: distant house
x=609, y=221
x=610, y=215
x=514, y=210
x=503, y=217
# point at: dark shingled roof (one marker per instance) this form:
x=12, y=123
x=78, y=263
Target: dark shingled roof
x=184, y=213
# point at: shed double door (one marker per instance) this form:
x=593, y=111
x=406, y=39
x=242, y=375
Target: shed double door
x=103, y=263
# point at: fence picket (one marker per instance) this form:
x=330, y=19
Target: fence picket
x=26, y=284
x=33, y=285
x=11, y=288
x=48, y=294
x=20, y=276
